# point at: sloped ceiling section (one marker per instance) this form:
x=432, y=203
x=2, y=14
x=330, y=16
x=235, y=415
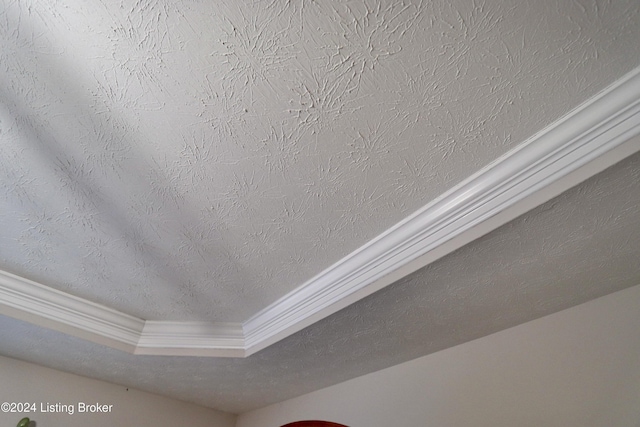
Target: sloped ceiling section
x=198, y=161
x=581, y=245
x=596, y=135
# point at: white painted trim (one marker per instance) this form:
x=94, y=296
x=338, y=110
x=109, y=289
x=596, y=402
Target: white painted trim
x=591, y=138
x=192, y=338
x=595, y=128
x=36, y=303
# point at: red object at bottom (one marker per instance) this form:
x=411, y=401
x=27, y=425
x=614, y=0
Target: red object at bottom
x=314, y=424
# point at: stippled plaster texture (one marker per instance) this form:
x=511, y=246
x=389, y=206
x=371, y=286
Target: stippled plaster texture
x=197, y=160
x=579, y=246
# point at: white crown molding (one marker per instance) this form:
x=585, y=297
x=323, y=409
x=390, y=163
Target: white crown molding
x=191, y=339
x=33, y=302
x=30, y=301
x=548, y=163
x=591, y=138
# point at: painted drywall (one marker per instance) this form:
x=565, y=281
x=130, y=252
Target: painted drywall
x=63, y=399
x=579, y=367
x=197, y=160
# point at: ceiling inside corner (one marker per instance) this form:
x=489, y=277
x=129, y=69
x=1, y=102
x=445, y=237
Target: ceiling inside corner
x=579, y=246
x=185, y=160
x=197, y=160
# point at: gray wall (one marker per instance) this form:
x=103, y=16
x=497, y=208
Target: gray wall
x=576, y=368
x=26, y=382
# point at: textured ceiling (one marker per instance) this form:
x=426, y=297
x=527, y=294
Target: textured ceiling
x=183, y=160
x=578, y=246
x=195, y=160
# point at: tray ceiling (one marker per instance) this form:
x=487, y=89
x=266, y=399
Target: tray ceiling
x=581, y=245
x=198, y=161
x=593, y=137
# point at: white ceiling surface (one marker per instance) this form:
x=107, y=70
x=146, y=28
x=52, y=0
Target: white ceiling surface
x=199, y=160
x=576, y=247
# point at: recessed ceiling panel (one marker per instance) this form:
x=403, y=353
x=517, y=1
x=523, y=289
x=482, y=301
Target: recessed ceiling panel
x=578, y=246
x=199, y=160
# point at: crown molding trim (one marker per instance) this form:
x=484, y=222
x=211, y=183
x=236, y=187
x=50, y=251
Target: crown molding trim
x=584, y=142
x=591, y=138
x=191, y=339
x=35, y=303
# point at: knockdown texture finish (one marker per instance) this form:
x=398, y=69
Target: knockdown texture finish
x=195, y=161
x=577, y=247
